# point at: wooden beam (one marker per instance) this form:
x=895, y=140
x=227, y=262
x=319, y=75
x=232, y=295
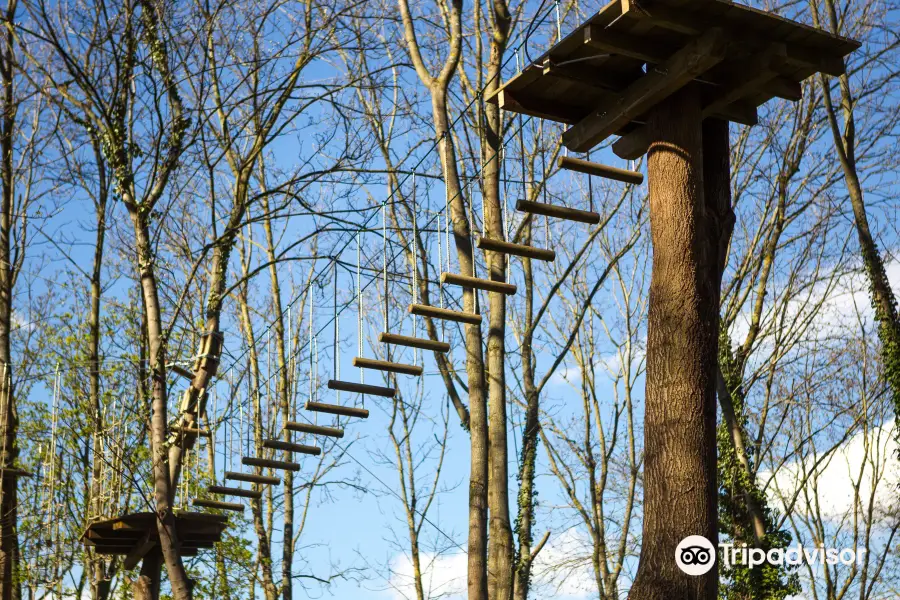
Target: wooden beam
x=559, y=212
x=414, y=342
x=252, y=478
x=686, y=64
x=139, y=551
x=581, y=73
x=337, y=409
x=361, y=388
x=384, y=365
x=738, y=112
x=613, y=42
x=222, y=490
x=203, y=503
x=488, y=285
x=746, y=78
x=592, y=168
x=292, y=447
x=435, y=312
x=283, y=465
x=554, y=110
x=492, y=245
x=660, y=16
x=632, y=145
x=314, y=429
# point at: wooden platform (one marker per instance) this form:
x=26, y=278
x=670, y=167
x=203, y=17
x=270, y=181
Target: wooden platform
x=136, y=534
x=603, y=77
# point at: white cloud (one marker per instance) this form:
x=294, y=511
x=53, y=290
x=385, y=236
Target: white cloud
x=867, y=458
x=443, y=576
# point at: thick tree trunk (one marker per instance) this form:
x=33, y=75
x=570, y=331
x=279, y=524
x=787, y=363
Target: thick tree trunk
x=478, y=418
x=500, y=551
x=162, y=492
x=682, y=342
x=9, y=541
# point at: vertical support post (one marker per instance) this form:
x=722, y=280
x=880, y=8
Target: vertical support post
x=682, y=344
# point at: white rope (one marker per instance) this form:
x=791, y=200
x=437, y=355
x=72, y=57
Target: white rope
x=337, y=331
x=415, y=266
x=359, y=306
x=384, y=261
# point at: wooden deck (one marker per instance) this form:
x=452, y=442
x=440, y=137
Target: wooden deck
x=603, y=77
x=134, y=535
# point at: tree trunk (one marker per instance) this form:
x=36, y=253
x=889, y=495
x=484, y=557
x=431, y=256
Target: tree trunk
x=682, y=342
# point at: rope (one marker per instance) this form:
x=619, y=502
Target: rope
x=384, y=262
x=415, y=267
x=359, y=309
x=337, y=329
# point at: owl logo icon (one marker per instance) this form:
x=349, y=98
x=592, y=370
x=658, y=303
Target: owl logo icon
x=695, y=555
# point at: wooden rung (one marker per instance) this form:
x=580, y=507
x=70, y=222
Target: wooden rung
x=179, y=370
x=252, y=461
x=592, y=168
x=337, y=409
x=230, y=491
x=560, y=212
x=292, y=447
x=414, y=342
x=314, y=429
x=390, y=367
x=479, y=284
x=443, y=313
x=361, y=388
x=218, y=504
x=252, y=478
x=516, y=249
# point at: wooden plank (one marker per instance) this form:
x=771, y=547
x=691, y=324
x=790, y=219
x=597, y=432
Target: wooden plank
x=292, y=447
x=446, y=314
x=314, y=429
x=139, y=551
x=686, y=64
x=493, y=245
x=268, y=463
x=361, y=388
x=222, y=490
x=413, y=342
x=613, y=42
x=738, y=112
x=337, y=409
x=747, y=77
x=203, y=503
x=252, y=478
x=632, y=145
x=14, y=472
x=660, y=16
x=592, y=168
x=501, y=287
x=384, y=365
x=559, y=212
x=519, y=102
x=586, y=75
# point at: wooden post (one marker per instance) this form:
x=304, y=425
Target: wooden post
x=680, y=406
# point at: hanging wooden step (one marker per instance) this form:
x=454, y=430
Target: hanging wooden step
x=222, y=490
x=337, y=409
x=444, y=313
x=314, y=429
x=390, y=367
x=592, y=168
x=179, y=370
x=282, y=465
x=478, y=284
x=413, y=342
x=292, y=447
x=203, y=503
x=361, y=388
x=252, y=478
x=516, y=249
x=559, y=212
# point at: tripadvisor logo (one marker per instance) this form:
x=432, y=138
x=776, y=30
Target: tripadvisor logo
x=696, y=555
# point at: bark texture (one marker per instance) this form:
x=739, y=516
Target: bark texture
x=682, y=345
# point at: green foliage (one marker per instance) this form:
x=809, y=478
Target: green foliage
x=764, y=582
